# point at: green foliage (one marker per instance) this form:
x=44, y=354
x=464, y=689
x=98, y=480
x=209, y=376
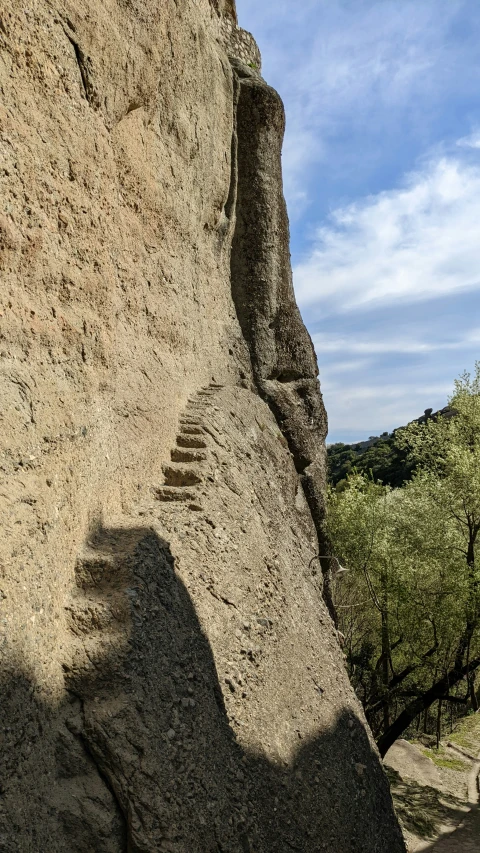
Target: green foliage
x=447, y=451
x=410, y=605
x=467, y=733
x=383, y=461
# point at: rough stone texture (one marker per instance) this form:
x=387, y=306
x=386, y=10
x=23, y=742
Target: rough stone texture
x=225, y=9
x=240, y=44
x=170, y=677
x=283, y=359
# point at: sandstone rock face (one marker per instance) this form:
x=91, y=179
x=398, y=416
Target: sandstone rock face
x=171, y=679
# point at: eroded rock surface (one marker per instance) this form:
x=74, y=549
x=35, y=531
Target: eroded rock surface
x=171, y=679
x=283, y=359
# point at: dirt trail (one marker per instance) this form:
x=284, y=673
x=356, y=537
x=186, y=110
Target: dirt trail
x=436, y=793
x=465, y=839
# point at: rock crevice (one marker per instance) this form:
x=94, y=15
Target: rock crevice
x=283, y=359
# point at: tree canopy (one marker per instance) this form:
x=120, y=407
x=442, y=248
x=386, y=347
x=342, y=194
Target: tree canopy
x=409, y=606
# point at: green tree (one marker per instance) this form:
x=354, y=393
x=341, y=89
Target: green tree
x=410, y=605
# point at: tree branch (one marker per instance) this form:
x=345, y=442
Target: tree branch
x=437, y=691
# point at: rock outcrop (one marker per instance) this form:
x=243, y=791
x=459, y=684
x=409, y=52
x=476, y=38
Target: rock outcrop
x=283, y=360
x=171, y=679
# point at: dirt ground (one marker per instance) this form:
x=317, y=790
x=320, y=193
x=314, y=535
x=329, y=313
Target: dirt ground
x=436, y=793
x=465, y=839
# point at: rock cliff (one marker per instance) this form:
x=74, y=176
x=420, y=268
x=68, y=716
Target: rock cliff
x=171, y=679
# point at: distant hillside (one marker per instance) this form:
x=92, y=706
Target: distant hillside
x=377, y=456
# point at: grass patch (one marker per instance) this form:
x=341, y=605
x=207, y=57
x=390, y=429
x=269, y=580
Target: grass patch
x=467, y=734
x=442, y=759
x=422, y=810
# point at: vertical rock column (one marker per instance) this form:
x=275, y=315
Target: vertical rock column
x=283, y=358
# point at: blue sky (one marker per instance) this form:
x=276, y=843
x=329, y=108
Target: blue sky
x=382, y=179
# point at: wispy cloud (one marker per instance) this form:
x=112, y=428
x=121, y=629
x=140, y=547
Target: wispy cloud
x=353, y=366
x=375, y=344
x=361, y=411
x=412, y=243
x=383, y=195
x=471, y=141
x=365, y=393
x=359, y=67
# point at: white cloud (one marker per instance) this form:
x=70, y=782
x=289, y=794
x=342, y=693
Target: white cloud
x=391, y=394
x=369, y=409
x=471, y=141
x=378, y=345
x=365, y=68
x=413, y=243
x=368, y=86
x=352, y=366
x=354, y=70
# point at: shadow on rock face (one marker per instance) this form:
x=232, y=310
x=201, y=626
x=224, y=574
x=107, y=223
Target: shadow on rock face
x=140, y=757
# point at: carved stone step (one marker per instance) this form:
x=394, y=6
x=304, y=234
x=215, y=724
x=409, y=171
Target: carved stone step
x=192, y=429
x=96, y=571
x=87, y=614
x=174, y=494
x=196, y=405
x=95, y=659
x=190, y=420
x=191, y=441
x=181, y=476
x=179, y=455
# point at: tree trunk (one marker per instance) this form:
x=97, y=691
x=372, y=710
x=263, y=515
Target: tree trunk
x=439, y=723
x=385, y=652
x=385, y=670
x=423, y=703
x=473, y=695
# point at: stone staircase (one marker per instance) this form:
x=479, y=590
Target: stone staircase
x=185, y=475
x=101, y=605
x=100, y=608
